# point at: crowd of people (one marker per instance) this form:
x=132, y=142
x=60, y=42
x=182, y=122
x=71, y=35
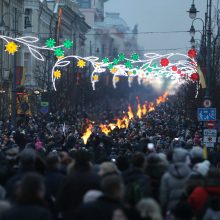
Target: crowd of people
x=153, y=170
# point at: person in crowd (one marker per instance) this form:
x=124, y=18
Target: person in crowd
x=196, y=155
x=103, y=208
x=76, y=184
x=149, y=209
x=30, y=200
x=137, y=183
x=197, y=177
x=182, y=211
x=205, y=200
x=155, y=168
x=173, y=181
x=26, y=164
x=107, y=168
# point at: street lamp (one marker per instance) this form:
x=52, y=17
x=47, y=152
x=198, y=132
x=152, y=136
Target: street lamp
x=192, y=31
x=192, y=11
x=193, y=42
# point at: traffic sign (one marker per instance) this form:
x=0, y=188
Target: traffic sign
x=207, y=103
x=210, y=124
x=206, y=114
x=209, y=144
x=209, y=139
x=210, y=132
x=210, y=136
x=44, y=104
x=44, y=109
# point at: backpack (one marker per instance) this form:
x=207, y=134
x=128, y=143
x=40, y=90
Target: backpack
x=211, y=208
x=133, y=193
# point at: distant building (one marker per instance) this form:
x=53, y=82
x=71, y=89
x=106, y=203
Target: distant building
x=108, y=35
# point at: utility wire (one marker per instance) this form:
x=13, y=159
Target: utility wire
x=117, y=33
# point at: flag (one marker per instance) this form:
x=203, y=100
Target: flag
x=201, y=77
x=55, y=10
x=205, y=154
x=20, y=75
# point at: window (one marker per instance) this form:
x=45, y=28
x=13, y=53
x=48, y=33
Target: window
x=28, y=18
x=85, y=3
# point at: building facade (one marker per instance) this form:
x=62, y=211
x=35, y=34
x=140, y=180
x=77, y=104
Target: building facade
x=42, y=19
x=11, y=24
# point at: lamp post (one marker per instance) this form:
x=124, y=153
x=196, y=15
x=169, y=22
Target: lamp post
x=207, y=42
x=13, y=90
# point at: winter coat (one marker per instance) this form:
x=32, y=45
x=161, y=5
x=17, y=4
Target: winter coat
x=172, y=185
x=73, y=190
x=137, y=174
x=155, y=170
x=101, y=209
x=53, y=180
x=27, y=212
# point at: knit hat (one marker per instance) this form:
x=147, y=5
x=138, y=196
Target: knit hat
x=179, y=155
x=196, y=155
x=197, y=152
x=202, y=168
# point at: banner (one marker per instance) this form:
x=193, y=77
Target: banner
x=201, y=77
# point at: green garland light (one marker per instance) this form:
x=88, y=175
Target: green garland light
x=50, y=43
x=68, y=44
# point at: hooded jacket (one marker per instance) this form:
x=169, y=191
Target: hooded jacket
x=172, y=184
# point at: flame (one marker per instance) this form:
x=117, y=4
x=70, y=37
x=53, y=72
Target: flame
x=87, y=134
x=144, y=108
x=105, y=129
x=112, y=126
x=162, y=98
x=151, y=107
x=126, y=121
x=120, y=123
x=130, y=113
x=139, y=110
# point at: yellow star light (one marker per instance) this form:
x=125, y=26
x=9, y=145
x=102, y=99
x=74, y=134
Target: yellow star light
x=130, y=79
x=81, y=63
x=61, y=57
x=11, y=47
x=116, y=79
x=114, y=70
x=129, y=73
x=98, y=64
x=57, y=74
x=95, y=78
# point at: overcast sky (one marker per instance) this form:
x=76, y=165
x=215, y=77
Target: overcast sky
x=159, y=15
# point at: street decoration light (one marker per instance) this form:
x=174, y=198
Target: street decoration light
x=175, y=66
